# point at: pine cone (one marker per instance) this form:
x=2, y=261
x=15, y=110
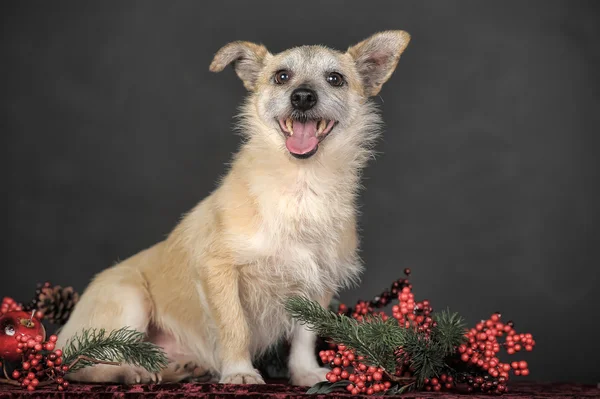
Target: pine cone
x=55, y=302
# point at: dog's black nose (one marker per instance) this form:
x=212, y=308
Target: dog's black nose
x=303, y=99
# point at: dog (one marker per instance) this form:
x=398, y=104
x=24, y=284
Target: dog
x=281, y=223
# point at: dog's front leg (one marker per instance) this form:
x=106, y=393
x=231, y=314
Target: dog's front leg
x=302, y=364
x=220, y=281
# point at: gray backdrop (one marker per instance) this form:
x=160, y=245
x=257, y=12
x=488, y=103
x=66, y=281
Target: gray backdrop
x=486, y=186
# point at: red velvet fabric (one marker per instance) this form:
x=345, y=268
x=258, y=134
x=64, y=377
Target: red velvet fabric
x=277, y=391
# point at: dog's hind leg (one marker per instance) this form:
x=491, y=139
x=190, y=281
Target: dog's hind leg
x=116, y=298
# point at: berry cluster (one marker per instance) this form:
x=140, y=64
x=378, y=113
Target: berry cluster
x=363, y=309
x=42, y=364
x=345, y=365
x=481, y=352
x=9, y=305
x=437, y=384
x=411, y=314
x=478, y=365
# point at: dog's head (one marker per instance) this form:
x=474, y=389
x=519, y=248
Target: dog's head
x=307, y=93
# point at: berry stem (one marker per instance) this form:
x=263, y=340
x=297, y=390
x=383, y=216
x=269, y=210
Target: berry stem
x=394, y=378
x=10, y=382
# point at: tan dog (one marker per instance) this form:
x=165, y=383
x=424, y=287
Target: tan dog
x=282, y=222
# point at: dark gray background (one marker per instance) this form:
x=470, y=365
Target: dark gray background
x=487, y=185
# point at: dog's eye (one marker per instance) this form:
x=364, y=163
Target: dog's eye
x=281, y=77
x=335, y=79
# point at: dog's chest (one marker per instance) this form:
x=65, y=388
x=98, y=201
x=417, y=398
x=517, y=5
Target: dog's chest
x=300, y=228
x=294, y=251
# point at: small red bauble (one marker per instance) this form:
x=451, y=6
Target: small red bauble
x=14, y=324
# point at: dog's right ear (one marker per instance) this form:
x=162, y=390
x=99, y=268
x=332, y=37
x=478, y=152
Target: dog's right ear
x=247, y=58
x=377, y=57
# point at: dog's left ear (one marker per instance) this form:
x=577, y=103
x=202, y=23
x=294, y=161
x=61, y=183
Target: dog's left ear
x=376, y=58
x=247, y=58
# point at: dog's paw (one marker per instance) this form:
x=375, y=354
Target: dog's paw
x=308, y=378
x=138, y=375
x=242, y=378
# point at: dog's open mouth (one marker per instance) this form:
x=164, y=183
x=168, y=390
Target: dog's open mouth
x=303, y=137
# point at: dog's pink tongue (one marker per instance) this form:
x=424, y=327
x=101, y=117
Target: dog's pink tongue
x=304, y=139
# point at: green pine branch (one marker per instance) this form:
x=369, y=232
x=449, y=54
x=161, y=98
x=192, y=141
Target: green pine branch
x=425, y=356
x=450, y=331
x=124, y=346
x=372, y=339
x=377, y=340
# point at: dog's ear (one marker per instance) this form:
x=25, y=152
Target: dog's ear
x=247, y=58
x=377, y=57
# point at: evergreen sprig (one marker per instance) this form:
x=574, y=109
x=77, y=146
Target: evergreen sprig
x=371, y=339
x=425, y=356
x=378, y=340
x=123, y=345
x=449, y=331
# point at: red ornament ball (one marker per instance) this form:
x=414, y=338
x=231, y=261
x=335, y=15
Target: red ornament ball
x=14, y=324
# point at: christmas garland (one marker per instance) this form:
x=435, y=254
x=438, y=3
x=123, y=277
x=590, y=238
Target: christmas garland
x=368, y=351
x=28, y=360
x=415, y=349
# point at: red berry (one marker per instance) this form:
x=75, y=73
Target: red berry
x=522, y=364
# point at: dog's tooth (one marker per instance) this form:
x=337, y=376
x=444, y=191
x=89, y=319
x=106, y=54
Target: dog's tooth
x=290, y=126
x=322, y=126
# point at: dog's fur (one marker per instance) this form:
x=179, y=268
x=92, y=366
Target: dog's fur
x=212, y=293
